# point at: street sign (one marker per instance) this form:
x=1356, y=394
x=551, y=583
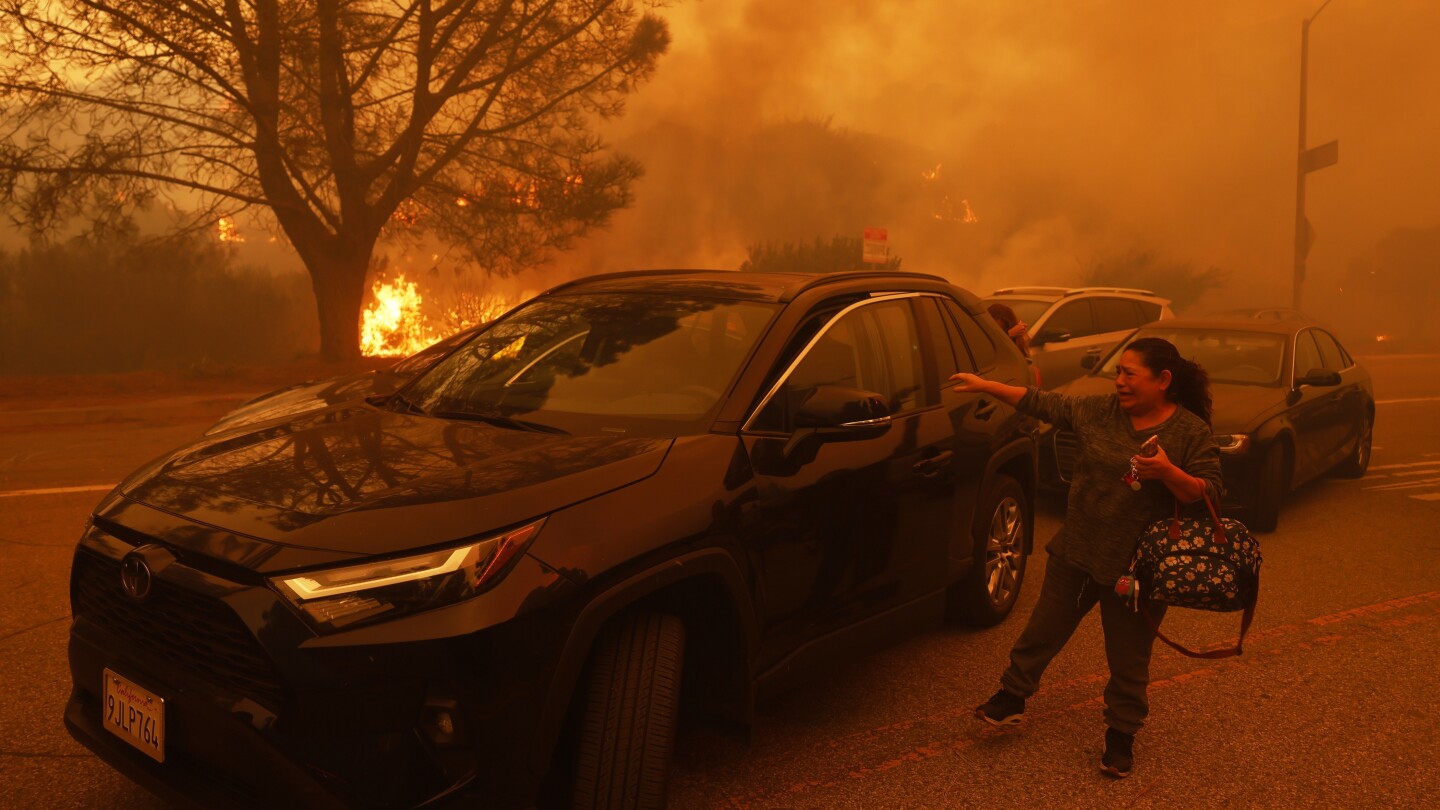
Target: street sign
x=1326, y=154
x=876, y=246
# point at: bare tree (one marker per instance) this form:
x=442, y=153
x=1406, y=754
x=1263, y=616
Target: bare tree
x=345, y=119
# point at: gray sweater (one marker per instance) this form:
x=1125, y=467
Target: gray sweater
x=1104, y=517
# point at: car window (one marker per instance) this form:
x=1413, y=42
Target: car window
x=1330, y=351
x=1026, y=310
x=1307, y=354
x=1149, y=311
x=1073, y=318
x=982, y=348
x=1115, y=314
x=874, y=348
x=951, y=355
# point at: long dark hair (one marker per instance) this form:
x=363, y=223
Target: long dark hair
x=1006, y=317
x=1189, y=383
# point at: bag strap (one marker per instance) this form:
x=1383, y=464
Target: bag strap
x=1214, y=516
x=1245, y=619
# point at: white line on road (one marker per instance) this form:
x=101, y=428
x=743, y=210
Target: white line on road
x=1428, y=496
x=16, y=493
x=1408, y=464
x=1412, y=399
x=1424, y=482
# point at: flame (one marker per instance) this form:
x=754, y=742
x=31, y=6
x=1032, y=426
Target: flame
x=393, y=325
x=933, y=174
x=1381, y=338
x=227, y=231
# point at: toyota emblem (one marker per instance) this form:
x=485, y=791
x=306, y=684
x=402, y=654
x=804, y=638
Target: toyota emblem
x=135, y=576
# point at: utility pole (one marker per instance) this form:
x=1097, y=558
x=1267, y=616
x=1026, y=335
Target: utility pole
x=1307, y=160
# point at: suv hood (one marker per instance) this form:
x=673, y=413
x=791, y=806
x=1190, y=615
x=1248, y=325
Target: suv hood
x=358, y=481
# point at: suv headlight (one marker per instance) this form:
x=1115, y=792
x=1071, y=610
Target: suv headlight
x=339, y=597
x=1233, y=444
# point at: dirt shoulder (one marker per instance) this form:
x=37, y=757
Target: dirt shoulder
x=70, y=391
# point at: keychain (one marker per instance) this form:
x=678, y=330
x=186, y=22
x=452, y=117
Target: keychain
x=1147, y=449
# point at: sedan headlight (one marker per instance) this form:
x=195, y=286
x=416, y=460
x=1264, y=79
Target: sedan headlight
x=339, y=597
x=1233, y=444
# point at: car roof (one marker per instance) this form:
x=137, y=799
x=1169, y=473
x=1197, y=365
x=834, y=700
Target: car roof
x=1236, y=324
x=738, y=285
x=1056, y=293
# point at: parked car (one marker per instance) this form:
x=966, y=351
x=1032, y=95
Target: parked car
x=1290, y=404
x=500, y=583
x=1069, y=324
x=316, y=394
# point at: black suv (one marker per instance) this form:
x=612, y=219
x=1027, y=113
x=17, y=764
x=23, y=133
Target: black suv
x=501, y=584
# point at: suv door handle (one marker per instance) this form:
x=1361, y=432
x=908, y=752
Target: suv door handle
x=985, y=409
x=934, y=465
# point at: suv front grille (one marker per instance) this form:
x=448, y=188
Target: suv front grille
x=1067, y=446
x=177, y=629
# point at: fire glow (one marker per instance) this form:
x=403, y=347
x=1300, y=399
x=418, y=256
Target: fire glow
x=395, y=323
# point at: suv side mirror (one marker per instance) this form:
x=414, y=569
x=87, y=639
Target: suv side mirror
x=1320, y=377
x=1050, y=336
x=842, y=414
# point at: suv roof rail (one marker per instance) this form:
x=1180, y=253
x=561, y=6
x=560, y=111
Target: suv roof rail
x=804, y=281
x=1032, y=291
x=1130, y=290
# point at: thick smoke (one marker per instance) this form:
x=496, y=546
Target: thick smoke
x=1072, y=131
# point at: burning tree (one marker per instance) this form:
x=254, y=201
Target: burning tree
x=345, y=120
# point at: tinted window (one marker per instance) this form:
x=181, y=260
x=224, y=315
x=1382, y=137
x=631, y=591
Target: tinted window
x=1330, y=351
x=1074, y=318
x=950, y=353
x=1149, y=311
x=982, y=349
x=874, y=348
x=1307, y=355
x=1115, y=314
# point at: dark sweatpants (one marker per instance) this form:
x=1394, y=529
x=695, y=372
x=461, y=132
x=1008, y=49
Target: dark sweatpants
x=1065, y=597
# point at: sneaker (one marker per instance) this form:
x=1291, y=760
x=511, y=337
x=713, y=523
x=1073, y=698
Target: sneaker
x=1004, y=709
x=1119, y=758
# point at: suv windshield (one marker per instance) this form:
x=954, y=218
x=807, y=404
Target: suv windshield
x=1240, y=358
x=608, y=362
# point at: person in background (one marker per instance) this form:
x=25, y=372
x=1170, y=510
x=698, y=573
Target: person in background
x=1116, y=492
x=1013, y=326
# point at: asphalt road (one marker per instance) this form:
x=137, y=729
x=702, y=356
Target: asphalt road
x=1336, y=701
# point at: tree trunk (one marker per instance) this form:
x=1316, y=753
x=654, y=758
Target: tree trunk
x=339, y=284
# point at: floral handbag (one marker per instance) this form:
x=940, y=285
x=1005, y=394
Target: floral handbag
x=1195, y=563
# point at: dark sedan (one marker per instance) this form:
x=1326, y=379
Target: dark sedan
x=1290, y=404
x=499, y=585
x=316, y=394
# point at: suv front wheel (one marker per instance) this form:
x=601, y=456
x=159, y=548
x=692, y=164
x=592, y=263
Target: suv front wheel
x=627, y=731
x=988, y=593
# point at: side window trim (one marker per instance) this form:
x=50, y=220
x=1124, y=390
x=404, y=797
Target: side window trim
x=801, y=355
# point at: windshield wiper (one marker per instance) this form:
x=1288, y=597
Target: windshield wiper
x=500, y=421
x=405, y=404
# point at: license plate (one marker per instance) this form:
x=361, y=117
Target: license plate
x=135, y=715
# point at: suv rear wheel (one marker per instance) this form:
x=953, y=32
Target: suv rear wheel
x=988, y=593
x=627, y=731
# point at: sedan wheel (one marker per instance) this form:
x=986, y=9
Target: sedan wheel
x=1270, y=488
x=989, y=592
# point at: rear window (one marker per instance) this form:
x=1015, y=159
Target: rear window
x=982, y=349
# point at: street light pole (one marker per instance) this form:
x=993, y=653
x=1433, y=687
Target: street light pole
x=1305, y=163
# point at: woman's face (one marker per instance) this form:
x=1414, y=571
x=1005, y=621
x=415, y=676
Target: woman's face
x=1138, y=387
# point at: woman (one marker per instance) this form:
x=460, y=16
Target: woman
x=1013, y=326
x=1115, y=493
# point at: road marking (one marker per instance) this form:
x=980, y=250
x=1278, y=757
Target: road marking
x=17, y=493
x=1424, y=482
x=1398, y=466
x=1428, y=496
x=1400, y=401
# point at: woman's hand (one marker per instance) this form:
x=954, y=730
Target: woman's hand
x=1018, y=329
x=1154, y=468
x=968, y=383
